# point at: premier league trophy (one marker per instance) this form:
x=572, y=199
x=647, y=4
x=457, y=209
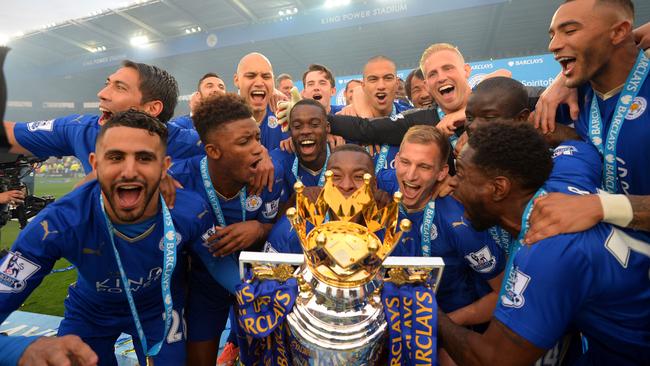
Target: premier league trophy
x=345, y=299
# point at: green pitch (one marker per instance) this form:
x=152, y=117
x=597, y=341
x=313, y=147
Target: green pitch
x=49, y=295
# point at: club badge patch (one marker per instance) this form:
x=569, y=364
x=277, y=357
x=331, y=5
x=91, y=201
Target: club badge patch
x=637, y=108
x=272, y=122
x=15, y=270
x=253, y=202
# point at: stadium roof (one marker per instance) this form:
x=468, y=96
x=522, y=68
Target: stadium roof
x=71, y=56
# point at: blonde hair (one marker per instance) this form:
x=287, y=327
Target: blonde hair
x=437, y=47
x=428, y=135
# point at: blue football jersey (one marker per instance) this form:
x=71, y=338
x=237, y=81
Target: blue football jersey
x=75, y=135
x=262, y=208
x=184, y=121
x=470, y=256
x=577, y=167
x=270, y=131
x=391, y=149
x=632, y=150
x=596, y=281
x=335, y=108
x=283, y=238
x=283, y=163
x=74, y=228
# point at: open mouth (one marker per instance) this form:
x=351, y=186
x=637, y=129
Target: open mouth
x=446, y=89
x=129, y=195
x=567, y=64
x=256, y=163
x=410, y=190
x=307, y=147
x=317, y=97
x=105, y=114
x=258, y=96
x=381, y=97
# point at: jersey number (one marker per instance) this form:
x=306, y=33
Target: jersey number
x=177, y=327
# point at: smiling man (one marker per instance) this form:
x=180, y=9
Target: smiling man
x=125, y=243
x=595, y=281
x=233, y=151
x=254, y=79
x=473, y=260
x=134, y=85
x=308, y=128
x=348, y=164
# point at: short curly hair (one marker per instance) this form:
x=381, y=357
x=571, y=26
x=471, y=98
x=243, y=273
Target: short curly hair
x=215, y=111
x=516, y=151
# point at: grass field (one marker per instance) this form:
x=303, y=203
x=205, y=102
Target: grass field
x=48, y=297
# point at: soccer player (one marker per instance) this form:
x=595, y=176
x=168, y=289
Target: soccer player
x=134, y=85
x=284, y=83
x=439, y=229
x=210, y=84
x=416, y=89
x=349, y=87
x=596, y=280
x=379, y=87
x=610, y=73
x=123, y=240
x=231, y=138
x=319, y=84
x=254, y=80
x=308, y=128
x=348, y=164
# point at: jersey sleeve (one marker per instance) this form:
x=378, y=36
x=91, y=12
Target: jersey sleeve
x=385, y=130
x=577, y=169
x=30, y=259
x=224, y=270
x=480, y=249
x=273, y=200
x=283, y=239
x=12, y=348
x=47, y=138
x=180, y=171
x=184, y=121
x=548, y=284
x=183, y=143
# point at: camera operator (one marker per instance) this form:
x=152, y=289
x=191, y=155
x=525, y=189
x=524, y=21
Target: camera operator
x=12, y=197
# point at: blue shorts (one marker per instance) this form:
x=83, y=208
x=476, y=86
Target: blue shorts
x=101, y=336
x=208, y=305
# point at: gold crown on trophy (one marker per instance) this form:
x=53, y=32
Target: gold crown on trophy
x=343, y=249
